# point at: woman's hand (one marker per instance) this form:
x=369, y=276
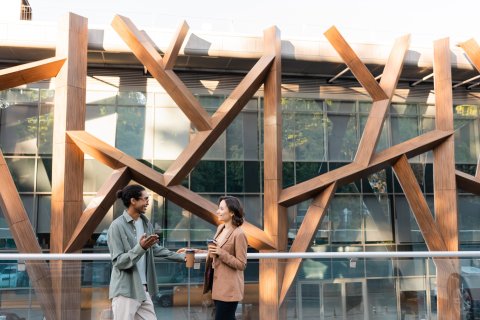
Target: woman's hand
x=213, y=250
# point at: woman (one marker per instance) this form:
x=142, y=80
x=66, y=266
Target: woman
x=227, y=256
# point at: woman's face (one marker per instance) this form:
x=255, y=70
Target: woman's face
x=224, y=215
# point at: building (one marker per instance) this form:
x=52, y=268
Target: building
x=324, y=111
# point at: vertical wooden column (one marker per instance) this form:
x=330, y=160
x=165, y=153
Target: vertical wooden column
x=275, y=216
x=444, y=181
x=67, y=166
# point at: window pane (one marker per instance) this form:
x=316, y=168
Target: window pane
x=242, y=135
x=403, y=129
x=131, y=130
x=18, y=129
x=45, y=129
x=23, y=173
x=346, y=217
x=44, y=175
x=378, y=222
x=171, y=133
x=208, y=176
x=468, y=222
x=309, y=136
x=342, y=138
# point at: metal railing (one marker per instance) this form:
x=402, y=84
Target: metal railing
x=271, y=255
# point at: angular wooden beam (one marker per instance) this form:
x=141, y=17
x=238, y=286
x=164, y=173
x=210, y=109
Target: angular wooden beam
x=472, y=49
x=389, y=81
x=98, y=207
x=145, y=51
x=30, y=72
x=434, y=240
x=154, y=180
x=353, y=171
x=25, y=238
x=312, y=220
x=468, y=182
x=171, y=55
x=418, y=205
x=222, y=118
x=359, y=70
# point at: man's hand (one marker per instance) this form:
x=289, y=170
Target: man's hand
x=147, y=242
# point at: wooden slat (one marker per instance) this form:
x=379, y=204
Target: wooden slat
x=353, y=171
x=274, y=216
x=356, y=66
x=444, y=155
x=154, y=180
x=468, y=182
x=389, y=81
x=96, y=210
x=472, y=49
x=418, y=205
x=30, y=72
x=222, y=118
x=171, y=55
x=444, y=184
x=145, y=51
x=68, y=160
x=312, y=220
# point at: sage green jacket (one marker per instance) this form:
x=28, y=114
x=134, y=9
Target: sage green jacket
x=125, y=251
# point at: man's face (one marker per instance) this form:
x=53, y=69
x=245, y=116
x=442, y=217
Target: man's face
x=141, y=204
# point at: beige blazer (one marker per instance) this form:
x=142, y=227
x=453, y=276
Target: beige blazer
x=229, y=265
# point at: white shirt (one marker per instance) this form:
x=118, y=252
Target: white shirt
x=141, y=265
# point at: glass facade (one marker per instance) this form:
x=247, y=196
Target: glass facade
x=319, y=135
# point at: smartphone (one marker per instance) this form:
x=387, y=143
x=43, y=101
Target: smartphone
x=211, y=241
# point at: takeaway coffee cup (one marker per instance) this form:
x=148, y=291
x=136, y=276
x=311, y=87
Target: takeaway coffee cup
x=190, y=257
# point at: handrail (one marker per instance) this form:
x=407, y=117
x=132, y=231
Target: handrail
x=270, y=255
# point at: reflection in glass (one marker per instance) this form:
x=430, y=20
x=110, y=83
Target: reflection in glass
x=342, y=137
x=346, y=216
x=18, y=129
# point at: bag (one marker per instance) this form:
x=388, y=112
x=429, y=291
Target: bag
x=208, y=277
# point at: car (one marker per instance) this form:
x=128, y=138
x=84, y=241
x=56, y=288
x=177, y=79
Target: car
x=10, y=316
x=164, y=298
x=8, y=277
x=102, y=238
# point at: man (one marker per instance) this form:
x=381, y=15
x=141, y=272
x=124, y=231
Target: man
x=133, y=246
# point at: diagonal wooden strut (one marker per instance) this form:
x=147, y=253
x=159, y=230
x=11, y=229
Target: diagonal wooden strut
x=418, y=205
x=154, y=180
x=353, y=171
x=30, y=72
x=376, y=118
x=25, y=238
x=468, y=182
x=359, y=70
x=226, y=113
x=171, y=55
x=312, y=220
x=144, y=50
x=97, y=209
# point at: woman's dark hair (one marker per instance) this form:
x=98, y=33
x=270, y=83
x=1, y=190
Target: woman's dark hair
x=129, y=192
x=234, y=205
